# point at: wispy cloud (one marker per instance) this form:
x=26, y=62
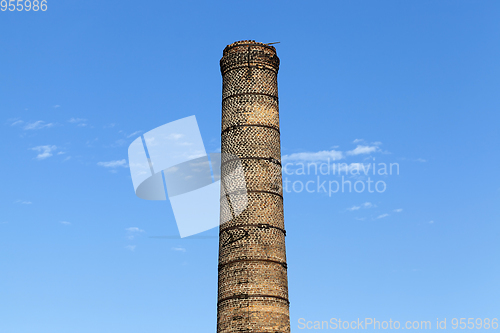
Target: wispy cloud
x=37, y=125
x=44, y=151
x=134, y=134
x=113, y=164
x=420, y=160
x=175, y=136
x=324, y=155
x=57, y=106
x=399, y=210
x=179, y=249
x=90, y=143
x=65, y=222
x=79, y=121
x=133, y=231
x=364, y=205
x=360, y=149
x=117, y=143
x=431, y=222
x=23, y=202
x=333, y=155
x=17, y=122
x=382, y=216
x=131, y=247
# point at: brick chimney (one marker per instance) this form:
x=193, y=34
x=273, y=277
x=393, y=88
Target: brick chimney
x=253, y=285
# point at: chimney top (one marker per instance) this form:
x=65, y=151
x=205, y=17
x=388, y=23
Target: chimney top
x=248, y=42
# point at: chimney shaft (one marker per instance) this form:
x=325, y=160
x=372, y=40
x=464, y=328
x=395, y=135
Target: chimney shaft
x=253, y=285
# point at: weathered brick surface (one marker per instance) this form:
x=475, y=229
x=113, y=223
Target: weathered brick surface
x=253, y=286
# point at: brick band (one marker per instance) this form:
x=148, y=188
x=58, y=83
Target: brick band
x=246, y=296
x=251, y=93
x=270, y=159
x=283, y=264
x=253, y=191
x=258, y=65
x=260, y=226
x=249, y=125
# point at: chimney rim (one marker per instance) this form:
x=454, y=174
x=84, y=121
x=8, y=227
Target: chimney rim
x=248, y=42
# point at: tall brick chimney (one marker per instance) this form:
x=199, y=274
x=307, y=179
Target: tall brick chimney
x=253, y=285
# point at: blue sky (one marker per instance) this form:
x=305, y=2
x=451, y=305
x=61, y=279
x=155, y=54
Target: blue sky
x=414, y=83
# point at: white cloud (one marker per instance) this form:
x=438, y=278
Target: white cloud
x=324, y=155
x=24, y=202
x=44, y=151
x=363, y=150
x=179, y=249
x=37, y=125
x=364, y=205
x=420, y=160
x=133, y=134
x=117, y=143
x=65, y=222
x=113, y=164
x=334, y=155
x=89, y=143
x=169, y=170
x=399, y=210
x=77, y=120
x=80, y=122
x=382, y=216
x=57, y=106
x=175, y=136
x=130, y=247
x=431, y=222
x=17, y=122
x=134, y=229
